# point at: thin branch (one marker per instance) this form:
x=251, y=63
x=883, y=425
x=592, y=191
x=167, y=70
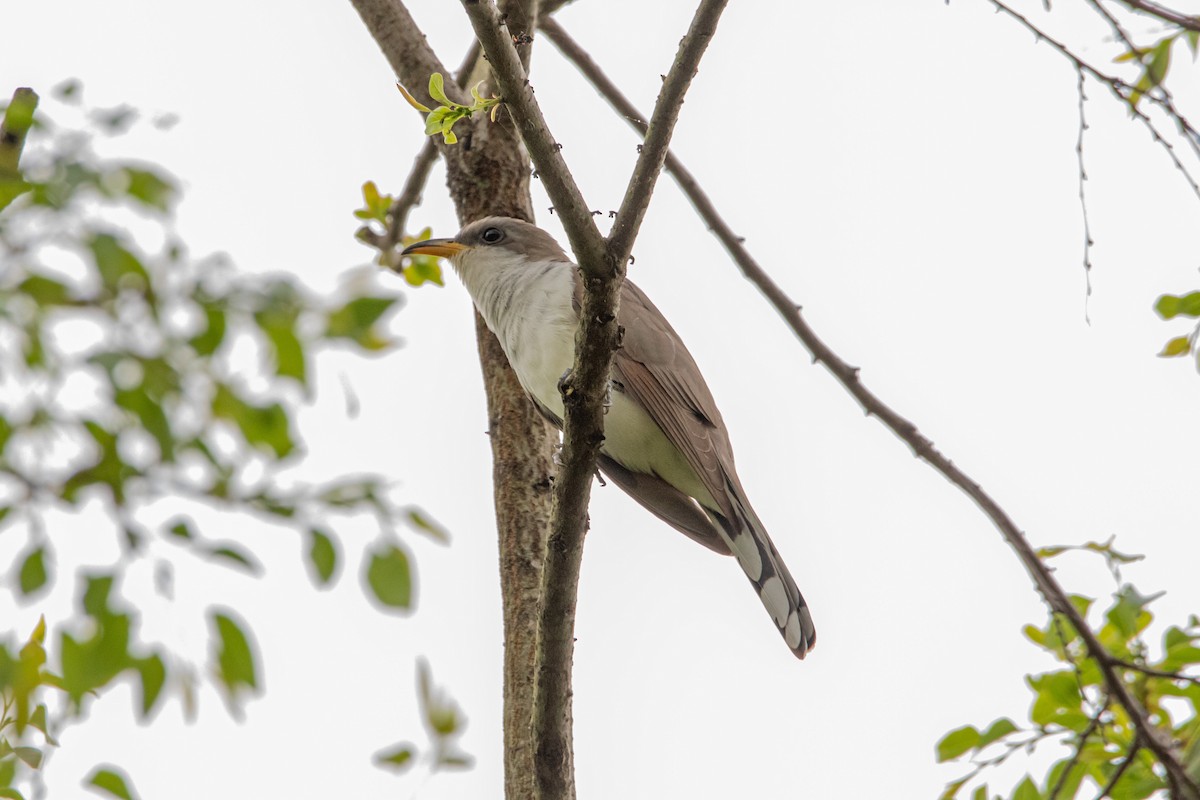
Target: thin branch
x=1093, y=724
x=662, y=124
x=1156, y=673
x=922, y=447
x=1123, y=91
x=517, y=94
x=1087, y=226
x=1116, y=776
x=1165, y=14
x=404, y=46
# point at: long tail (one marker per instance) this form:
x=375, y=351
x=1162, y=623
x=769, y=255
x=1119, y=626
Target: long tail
x=759, y=559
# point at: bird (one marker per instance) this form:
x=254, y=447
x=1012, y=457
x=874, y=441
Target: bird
x=665, y=443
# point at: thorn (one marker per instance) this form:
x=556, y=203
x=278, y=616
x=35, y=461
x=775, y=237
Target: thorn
x=631, y=259
x=741, y=239
x=537, y=175
x=551, y=209
x=612, y=215
x=639, y=149
x=597, y=213
x=557, y=147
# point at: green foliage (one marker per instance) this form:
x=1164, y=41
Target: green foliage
x=1170, y=306
x=110, y=781
x=174, y=419
x=444, y=724
x=443, y=118
x=1155, y=62
x=379, y=211
x=1071, y=704
x=389, y=577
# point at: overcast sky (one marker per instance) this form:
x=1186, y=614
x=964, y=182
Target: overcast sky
x=906, y=170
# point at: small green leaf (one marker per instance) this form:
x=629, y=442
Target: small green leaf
x=996, y=731
x=1160, y=61
x=207, y=341
x=150, y=188
x=181, y=528
x=425, y=525
x=957, y=742
x=389, y=577
x=322, y=555
x=154, y=675
x=1179, y=346
x=233, y=555
x=423, y=269
x=115, y=263
x=1027, y=790
x=980, y=793
x=1170, y=306
x=235, y=657
x=45, y=291
x=437, y=90
x=33, y=574
x=30, y=755
x=455, y=760
x=397, y=758
x=412, y=101
x=112, y=781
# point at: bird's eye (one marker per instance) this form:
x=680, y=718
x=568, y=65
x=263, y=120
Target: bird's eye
x=492, y=235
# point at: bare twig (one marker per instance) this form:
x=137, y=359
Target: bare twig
x=515, y=91
x=662, y=124
x=1124, y=92
x=1155, y=673
x=1116, y=776
x=922, y=447
x=1087, y=226
x=1165, y=14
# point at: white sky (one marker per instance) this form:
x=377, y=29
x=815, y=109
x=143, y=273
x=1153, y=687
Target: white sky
x=906, y=170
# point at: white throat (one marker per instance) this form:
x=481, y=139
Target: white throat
x=529, y=307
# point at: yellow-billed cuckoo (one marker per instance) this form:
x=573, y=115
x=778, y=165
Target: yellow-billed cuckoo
x=664, y=441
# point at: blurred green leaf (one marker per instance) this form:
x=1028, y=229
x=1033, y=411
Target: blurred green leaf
x=30, y=755
x=322, y=555
x=207, y=341
x=110, y=780
x=957, y=742
x=1027, y=790
x=263, y=426
x=149, y=187
x=153, y=674
x=417, y=518
x=1170, y=306
x=45, y=291
x=398, y=758
x=33, y=571
x=1179, y=346
x=997, y=731
x=235, y=658
x=389, y=577
x=356, y=320
x=234, y=556
x=115, y=262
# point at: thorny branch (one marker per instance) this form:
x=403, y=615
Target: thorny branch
x=1165, y=14
x=922, y=447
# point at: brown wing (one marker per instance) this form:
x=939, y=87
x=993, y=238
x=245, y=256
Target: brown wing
x=654, y=367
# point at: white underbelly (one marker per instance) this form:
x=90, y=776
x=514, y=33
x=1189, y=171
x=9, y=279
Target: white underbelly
x=631, y=437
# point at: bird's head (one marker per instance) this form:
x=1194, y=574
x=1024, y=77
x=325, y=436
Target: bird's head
x=490, y=242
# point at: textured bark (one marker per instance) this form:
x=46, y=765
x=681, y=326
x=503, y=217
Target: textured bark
x=488, y=173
